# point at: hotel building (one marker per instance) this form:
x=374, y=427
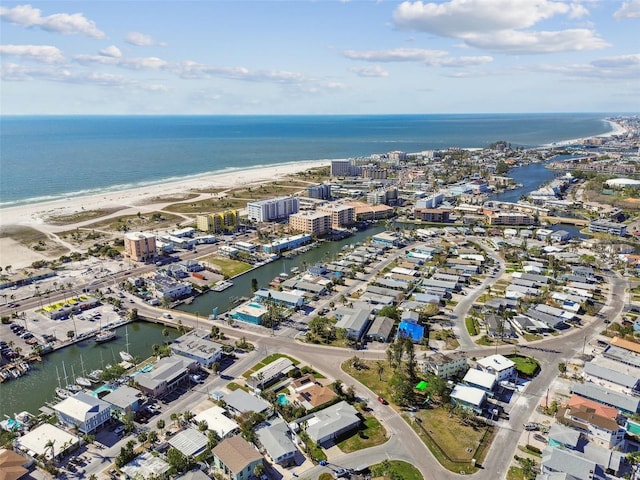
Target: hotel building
x=140, y=246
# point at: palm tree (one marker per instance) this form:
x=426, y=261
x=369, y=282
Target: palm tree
x=165, y=334
x=160, y=424
x=174, y=417
x=380, y=369
x=50, y=445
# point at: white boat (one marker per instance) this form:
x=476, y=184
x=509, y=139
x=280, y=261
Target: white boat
x=95, y=376
x=83, y=381
x=125, y=355
x=222, y=286
x=63, y=393
x=105, y=336
x=73, y=388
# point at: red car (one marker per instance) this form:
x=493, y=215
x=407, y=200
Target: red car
x=382, y=401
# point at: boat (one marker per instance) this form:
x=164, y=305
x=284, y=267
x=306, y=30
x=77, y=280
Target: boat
x=63, y=393
x=125, y=355
x=95, y=375
x=73, y=388
x=83, y=380
x=105, y=336
x=222, y=286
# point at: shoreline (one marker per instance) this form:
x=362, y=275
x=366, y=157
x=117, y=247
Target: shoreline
x=616, y=129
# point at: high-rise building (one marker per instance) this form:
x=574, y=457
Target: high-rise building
x=272, y=209
x=314, y=223
x=226, y=221
x=322, y=191
x=341, y=215
x=140, y=246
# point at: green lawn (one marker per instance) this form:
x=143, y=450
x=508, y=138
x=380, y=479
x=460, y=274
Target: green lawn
x=370, y=434
x=396, y=469
x=526, y=366
x=228, y=267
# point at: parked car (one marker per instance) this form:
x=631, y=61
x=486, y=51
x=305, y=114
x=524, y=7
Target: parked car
x=383, y=401
x=531, y=426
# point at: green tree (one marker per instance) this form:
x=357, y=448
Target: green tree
x=203, y=426
x=402, y=389
x=160, y=424
x=179, y=462
x=254, y=284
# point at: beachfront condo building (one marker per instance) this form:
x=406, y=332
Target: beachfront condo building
x=314, y=223
x=321, y=192
x=342, y=215
x=226, y=221
x=272, y=209
x=140, y=246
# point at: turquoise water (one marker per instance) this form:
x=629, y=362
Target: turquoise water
x=254, y=305
x=107, y=153
x=103, y=388
x=282, y=399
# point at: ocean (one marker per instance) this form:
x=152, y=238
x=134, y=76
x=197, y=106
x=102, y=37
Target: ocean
x=50, y=157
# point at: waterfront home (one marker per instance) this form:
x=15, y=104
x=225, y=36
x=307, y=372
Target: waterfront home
x=83, y=411
x=275, y=441
x=12, y=465
x=124, y=399
x=197, y=346
x=596, y=427
x=166, y=375
x=166, y=288
x=290, y=299
x=236, y=458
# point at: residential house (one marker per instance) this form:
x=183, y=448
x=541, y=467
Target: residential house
x=123, y=399
x=498, y=365
x=310, y=393
x=236, y=458
x=468, y=397
x=481, y=380
x=275, y=440
x=626, y=403
x=146, y=465
x=197, y=346
x=239, y=402
x=270, y=373
x=167, y=374
x=446, y=365
x=83, y=411
x=354, y=320
x=218, y=422
x=558, y=460
x=330, y=423
x=380, y=329
x=189, y=442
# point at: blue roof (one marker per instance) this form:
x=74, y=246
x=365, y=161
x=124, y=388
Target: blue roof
x=411, y=330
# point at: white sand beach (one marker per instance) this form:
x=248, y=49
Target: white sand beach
x=126, y=202
x=616, y=129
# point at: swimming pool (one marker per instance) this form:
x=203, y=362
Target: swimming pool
x=282, y=399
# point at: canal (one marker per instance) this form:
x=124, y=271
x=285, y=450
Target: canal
x=224, y=301
x=31, y=391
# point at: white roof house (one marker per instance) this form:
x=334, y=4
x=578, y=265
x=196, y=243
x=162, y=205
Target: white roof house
x=146, y=466
x=35, y=442
x=479, y=379
x=217, y=421
x=468, y=397
x=84, y=411
x=331, y=422
x=189, y=442
x=499, y=365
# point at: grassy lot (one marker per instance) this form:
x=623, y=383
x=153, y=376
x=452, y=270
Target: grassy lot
x=370, y=434
x=80, y=216
x=325, y=476
x=515, y=473
x=32, y=238
x=235, y=386
x=266, y=361
x=530, y=337
x=472, y=326
x=206, y=206
x=148, y=221
x=451, y=342
x=227, y=267
x=525, y=366
x=445, y=436
x=395, y=469
x=451, y=442
x=172, y=198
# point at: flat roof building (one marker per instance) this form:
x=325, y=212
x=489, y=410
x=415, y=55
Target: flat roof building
x=197, y=346
x=140, y=246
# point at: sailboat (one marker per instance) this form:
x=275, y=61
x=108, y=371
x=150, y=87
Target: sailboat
x=72, y=387
x=125, y=355
x=61, y=392
x=83, y=380
x=105, y=335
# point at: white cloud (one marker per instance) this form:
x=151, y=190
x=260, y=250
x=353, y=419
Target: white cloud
x=375, y=71
x=517, y=42
x=396, y=55
x=630, y=9
x=621, y=67
x=141, y=40
x=64, y=23
x=135, y=63
x=428, y=57
x=39, y=53
x=111, y=51
x=499, y=25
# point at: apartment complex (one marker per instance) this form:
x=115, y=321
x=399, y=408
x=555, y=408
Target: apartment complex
x=272, y=209
x=322, y=191
x=140, y=246
x=603, y=226
x=341, y=215
x=226, y=221
x=314, y=223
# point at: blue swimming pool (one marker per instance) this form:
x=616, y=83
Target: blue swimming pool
x=282, y=399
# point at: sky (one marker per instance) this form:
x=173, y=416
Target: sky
x=319, y=57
